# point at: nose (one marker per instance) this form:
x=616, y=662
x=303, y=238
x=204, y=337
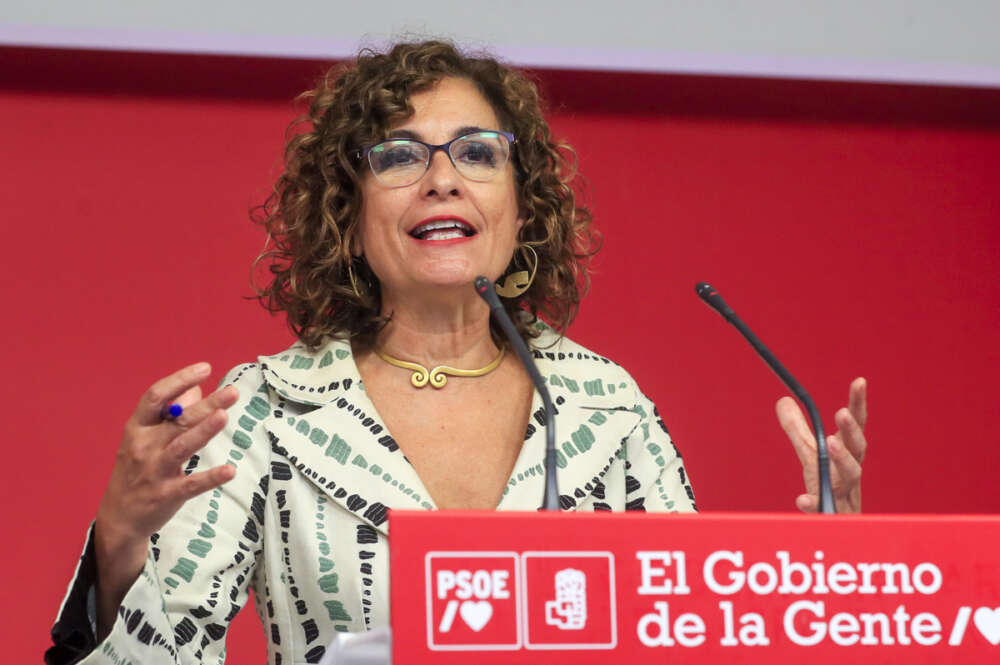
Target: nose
x=441, y=179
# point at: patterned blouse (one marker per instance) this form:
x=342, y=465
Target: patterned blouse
x=304, y=525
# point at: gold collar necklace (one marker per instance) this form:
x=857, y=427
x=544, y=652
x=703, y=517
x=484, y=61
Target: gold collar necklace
x=436, y=377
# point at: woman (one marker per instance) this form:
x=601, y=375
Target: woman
x=420, y=169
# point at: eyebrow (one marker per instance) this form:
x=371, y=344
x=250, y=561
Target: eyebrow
x=410, y=134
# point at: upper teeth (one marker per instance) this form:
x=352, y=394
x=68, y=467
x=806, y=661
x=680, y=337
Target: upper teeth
x=437, y=226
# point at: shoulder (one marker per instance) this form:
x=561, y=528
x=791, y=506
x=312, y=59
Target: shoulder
x=560, y=359
x=242, y=376
x=293, y=380
x=302, y=374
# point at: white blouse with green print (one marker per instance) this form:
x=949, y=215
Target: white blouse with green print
x=303, y=523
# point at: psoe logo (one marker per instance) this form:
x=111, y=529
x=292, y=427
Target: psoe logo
x=472, y=601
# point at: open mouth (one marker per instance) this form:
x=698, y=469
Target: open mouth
x=443, y=229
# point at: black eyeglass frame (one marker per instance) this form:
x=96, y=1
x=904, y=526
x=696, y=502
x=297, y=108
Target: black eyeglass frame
x=432, y=149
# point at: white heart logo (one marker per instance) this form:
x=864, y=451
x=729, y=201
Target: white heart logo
x=988, y=622
x=476, y=614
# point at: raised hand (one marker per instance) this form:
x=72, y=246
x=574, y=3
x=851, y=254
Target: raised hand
x=148, y=484
x=846, y=449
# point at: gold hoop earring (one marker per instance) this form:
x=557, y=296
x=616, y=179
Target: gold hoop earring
x=518, y=282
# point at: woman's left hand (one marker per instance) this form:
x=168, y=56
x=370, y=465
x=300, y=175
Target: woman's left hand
x=846, y=449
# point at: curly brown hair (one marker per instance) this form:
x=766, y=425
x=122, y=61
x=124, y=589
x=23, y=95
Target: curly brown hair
x=312, y=216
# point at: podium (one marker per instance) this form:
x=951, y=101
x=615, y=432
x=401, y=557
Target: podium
x=499, y=587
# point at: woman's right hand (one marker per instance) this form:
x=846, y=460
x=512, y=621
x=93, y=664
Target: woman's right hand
x=148, y=484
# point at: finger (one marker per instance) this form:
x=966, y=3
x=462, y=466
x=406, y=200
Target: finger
x=187, y=487
x=807, y=503
x=857, y=402
x=847, y=482
x=794, y=424
x=845, y=470
x=184, y=400
x=844, y=463
x=851, y=434
x=189, y=397
x=167, y=389
x=181, y=448
x=195, y=412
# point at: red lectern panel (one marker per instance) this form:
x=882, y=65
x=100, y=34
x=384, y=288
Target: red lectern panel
x=720, y=588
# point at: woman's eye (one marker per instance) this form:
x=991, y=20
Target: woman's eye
x=394, y=156
x=476, y=152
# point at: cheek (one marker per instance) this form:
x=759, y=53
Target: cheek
x=371, y=244
x=378, y=222
x=507, y=208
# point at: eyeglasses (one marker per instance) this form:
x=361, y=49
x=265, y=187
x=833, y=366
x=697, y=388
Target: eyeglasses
x=478, y=156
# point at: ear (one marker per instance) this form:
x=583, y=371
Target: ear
x=522, y=219
x=354, y=245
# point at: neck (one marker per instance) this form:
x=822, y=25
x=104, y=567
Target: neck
x=449, y=335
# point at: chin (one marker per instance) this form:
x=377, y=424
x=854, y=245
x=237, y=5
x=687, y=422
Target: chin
x=452, y=273
x=452, y=282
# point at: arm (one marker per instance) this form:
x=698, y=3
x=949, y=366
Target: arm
x=148, y=484
x=195, y=570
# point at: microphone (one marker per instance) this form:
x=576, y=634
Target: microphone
x=715, y=301
x=484, y=287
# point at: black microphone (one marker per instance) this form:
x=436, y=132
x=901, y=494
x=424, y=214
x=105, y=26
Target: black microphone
x=715, y=301
x=484, y=287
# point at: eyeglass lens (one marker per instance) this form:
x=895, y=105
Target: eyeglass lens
x=400, y=162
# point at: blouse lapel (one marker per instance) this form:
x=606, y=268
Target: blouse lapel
x=341, y=445
x=595, y=417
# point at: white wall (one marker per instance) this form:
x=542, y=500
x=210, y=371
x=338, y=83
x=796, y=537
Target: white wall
x=929, y=41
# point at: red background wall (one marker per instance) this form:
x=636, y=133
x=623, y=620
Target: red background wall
x=855, y=228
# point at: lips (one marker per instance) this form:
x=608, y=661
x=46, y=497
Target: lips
x=442, y=229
